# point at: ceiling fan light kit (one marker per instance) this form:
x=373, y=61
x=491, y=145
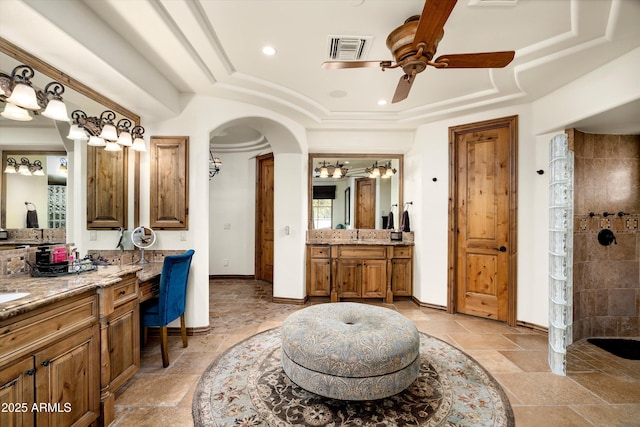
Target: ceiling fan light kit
x=414, y=44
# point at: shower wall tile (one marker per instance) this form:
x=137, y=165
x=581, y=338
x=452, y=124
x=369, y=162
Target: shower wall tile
x=606, y=278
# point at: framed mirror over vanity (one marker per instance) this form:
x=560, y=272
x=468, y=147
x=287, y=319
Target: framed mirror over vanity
x=101, y=177
x=355, y=208
x=354, y=191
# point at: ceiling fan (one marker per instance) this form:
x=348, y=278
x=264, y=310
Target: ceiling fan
x=413, y=46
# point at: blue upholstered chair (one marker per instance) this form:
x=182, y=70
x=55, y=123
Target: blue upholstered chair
x=171, y=300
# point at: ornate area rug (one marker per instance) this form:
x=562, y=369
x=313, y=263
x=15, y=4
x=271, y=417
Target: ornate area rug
x=246, y=386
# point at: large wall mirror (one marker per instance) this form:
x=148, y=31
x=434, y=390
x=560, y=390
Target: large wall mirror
x=355, y=191
x=44, y=141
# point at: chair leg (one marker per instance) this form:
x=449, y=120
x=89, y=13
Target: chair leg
x=183, y=329
x=164, y=344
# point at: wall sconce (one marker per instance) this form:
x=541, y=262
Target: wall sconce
x=62, y=169
x=385, y=171
x=25, y=167
x=326, y=171
x=214, y=165
x=103, y=132
x=20, y=96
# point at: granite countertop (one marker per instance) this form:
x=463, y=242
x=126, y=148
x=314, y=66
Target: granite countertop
x=149, y=271
x=45, y=290
x=358, y=242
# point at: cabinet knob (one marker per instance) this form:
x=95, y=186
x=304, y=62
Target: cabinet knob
x=31, y=372
x=502, y=249
x=46, y=363
x=122, y=292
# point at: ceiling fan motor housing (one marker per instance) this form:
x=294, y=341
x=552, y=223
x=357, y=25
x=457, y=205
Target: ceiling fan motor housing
x=400, y=43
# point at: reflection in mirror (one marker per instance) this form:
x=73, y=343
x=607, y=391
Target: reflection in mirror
x=355, y=191
x=36, y=196
x=41, y=134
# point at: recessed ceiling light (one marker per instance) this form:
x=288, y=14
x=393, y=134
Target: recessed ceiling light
x=269, y=50
x=382, y=102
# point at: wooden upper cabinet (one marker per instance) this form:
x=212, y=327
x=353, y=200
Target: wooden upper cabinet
x=106, y=188
x=169, y=157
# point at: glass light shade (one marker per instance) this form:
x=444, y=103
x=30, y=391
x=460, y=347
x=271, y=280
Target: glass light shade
x=38, y=172
x=14, y=112
x=10, y=169
x=24, y=170
x=139, y=145
x=324, y=172
x=113, y=146
x=125, y=139
x=95, y=141
x=77, y=133
x=109, y=133
x=62, y=170
x=24, y=96
x=376, y=171
x=337, y=173
x=390, y=172
x=56, y=110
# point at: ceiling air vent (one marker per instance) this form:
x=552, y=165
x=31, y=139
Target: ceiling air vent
x=348, y=48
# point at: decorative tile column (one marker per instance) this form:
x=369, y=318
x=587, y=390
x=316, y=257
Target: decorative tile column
x=560, y=252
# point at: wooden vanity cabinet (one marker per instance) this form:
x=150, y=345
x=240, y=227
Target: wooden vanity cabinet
x=402, y=271
x=318, y=271
x=360, y=271
x=50, y=365
x=120, y=340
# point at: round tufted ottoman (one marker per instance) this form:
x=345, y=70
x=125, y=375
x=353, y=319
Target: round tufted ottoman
x=350, y=351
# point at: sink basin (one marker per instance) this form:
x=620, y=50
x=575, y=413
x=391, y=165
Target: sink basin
x=10, y=296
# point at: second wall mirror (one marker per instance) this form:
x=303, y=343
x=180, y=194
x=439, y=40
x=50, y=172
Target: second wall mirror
x=355, y=190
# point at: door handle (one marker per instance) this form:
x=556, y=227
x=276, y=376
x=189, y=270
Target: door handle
x=502, y=249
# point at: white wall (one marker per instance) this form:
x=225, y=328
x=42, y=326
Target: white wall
x=232, y=215
x=202, y=116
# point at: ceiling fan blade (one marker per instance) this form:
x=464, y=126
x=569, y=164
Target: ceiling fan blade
x=334, y=65
x=434, y=15
x=403, y=88
x=476, y=60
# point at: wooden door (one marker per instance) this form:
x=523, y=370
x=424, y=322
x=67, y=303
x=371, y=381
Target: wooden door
x=106, y=188
x=17, y=393
x=319, y=280
x=169, y=182
x=365, y=201
x=349, y=278
x=374, y=278
x=264, y=217
x=68, y=375
x=484, y=216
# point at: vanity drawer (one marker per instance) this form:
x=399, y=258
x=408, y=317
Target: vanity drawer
x=320, y=251
x=402, y=252
x=149, y=289
x=362, y=251
x=126, y=288
x=41, y=327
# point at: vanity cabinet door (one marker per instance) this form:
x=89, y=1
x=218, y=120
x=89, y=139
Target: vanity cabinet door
x=319, y=282
x=67, y=375
x=106, y=188
x=17, y=392
x=124, y=343
x=349, y=278
x=169, y=183
x=374, y=278
x=401, y=277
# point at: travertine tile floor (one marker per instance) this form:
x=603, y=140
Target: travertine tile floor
x=600, y=389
